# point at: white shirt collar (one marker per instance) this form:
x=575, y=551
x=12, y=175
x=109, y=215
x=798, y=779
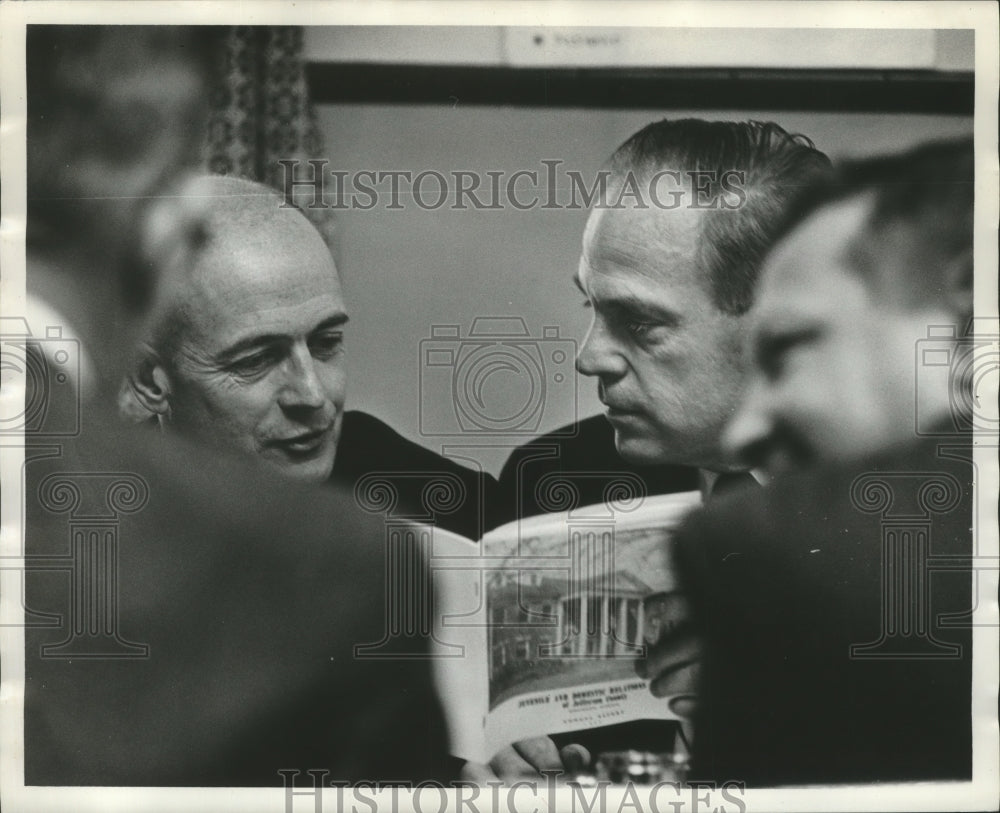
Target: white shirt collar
x=706, y=480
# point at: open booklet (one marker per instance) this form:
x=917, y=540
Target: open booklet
x=537, y=628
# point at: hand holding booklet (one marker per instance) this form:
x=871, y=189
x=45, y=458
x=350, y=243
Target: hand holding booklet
x=538, y=626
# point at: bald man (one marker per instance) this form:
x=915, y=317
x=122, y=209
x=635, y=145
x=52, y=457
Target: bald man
x=248, y=350
x=248, y=354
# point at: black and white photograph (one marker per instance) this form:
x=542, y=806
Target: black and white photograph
x=476, y=406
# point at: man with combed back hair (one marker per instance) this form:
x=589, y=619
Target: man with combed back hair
x=669, y=266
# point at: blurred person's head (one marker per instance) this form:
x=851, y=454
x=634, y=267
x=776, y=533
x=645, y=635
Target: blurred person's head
x=247, y=345
x=868, y=263
x=116, y=119
x=669, y=266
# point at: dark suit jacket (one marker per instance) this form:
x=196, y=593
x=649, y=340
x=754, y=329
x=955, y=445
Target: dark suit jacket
x=584, y=457
x=786, y=581
x=427, y=487
x=193, y=621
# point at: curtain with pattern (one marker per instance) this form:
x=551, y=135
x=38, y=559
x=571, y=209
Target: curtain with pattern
x=261, y=112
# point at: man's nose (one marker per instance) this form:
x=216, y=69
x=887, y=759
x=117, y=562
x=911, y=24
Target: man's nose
x=748, y=434
x=302, y=387
x=599, y=355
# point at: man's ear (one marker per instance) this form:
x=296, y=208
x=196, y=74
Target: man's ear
x=150, y=385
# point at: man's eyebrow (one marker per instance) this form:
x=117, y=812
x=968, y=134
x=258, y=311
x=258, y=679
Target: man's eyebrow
x=264, y=339
x=782, y=334
x=338, y=319
x=632, y=305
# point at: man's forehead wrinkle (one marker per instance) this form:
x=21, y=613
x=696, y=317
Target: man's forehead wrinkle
x=276, y=233
x=228, y=302
x=276, y=257
x=618, y=252
x=263, y=327
x=263, y=298
x=630, y=255
x=194, y=355
x=633, y=292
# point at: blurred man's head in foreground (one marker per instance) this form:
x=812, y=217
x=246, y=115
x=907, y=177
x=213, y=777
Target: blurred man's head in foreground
x=116, y=119
x=868, y=267
x=669, y=266
x=247, y=347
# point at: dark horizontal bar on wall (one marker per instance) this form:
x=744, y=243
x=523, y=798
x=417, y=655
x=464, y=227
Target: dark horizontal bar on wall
x=629, y=88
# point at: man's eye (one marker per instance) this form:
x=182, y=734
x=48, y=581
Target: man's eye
x=773, y=364
x=639, y=329
x=249, y=366
x=777, y=353
x=326, y=345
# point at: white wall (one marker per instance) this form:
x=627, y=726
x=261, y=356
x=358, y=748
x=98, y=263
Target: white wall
x=405, y=271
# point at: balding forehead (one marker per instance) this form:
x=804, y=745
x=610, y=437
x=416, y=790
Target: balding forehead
x=629, y=234
x=253, y=243
x=244, y=217
x=256, y=252
x=236, y=203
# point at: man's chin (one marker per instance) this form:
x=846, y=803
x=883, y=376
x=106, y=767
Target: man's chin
x=790, y=455
x=314, y=470
x=782, y=465
x=637, y=449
